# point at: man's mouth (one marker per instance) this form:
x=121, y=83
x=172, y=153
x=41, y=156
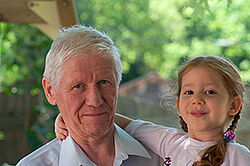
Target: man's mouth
x=94, y=114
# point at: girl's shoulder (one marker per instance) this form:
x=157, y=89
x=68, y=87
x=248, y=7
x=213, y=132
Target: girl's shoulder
x=238, y=154
x=236, y=147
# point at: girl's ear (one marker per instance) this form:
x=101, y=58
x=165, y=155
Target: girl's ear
x=49, y=91
x=178, y=106
x=235, y=105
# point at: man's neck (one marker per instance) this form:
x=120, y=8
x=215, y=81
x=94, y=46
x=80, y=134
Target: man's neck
x=96, y=147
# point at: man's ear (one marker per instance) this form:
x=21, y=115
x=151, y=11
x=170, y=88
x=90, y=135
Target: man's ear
x=178, y=106
x=235, y=106
x=49, y=91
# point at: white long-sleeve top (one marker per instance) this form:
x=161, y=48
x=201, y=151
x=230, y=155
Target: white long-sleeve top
x=178, y=149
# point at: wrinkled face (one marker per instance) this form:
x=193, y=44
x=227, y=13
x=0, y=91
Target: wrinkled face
x=87, y=95
x=204, y=102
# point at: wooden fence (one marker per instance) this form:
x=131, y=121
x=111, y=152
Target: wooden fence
x=16, y=115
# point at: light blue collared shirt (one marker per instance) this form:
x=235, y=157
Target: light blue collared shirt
x=128, y=152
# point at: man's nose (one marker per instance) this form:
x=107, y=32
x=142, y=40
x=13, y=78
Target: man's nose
x=198, y=99
x=93, y=97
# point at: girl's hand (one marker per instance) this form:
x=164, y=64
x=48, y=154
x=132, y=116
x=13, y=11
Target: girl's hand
x=60, y=128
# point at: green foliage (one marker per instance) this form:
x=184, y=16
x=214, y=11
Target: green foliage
x=157, y=34
x=23, y=51
x=151, y=35
x=1, y=136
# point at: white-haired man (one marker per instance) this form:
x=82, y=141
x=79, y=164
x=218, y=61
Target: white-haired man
x=82, y=75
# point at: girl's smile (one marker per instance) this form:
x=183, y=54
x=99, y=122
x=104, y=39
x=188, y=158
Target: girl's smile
x=198, y=113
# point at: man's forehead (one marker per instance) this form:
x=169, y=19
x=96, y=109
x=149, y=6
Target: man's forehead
x=83, y=66
x=93, y=58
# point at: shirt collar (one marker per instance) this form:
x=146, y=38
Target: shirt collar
x=125, y=145
x=72, y=154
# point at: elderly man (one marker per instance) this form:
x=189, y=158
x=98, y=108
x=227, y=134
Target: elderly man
x=82, y=75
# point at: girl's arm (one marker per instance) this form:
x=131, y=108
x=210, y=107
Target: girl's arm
x=62, y=132
x=122, y=121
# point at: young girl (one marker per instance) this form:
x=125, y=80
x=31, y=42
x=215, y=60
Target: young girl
x=209, y=99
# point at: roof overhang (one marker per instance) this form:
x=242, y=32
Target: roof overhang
x=47, y=15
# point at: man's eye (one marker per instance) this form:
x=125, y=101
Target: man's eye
x=78, y=86
x=103, y=82
x=189, y=92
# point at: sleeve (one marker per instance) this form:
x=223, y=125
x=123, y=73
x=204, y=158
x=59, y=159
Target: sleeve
x=161, y=140
x=239, y=155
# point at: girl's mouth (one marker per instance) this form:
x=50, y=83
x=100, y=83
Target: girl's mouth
x=198, y=114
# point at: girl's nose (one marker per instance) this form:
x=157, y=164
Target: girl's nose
x=198, y=99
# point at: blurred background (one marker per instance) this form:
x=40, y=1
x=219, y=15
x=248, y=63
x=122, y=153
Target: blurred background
x=155, y=37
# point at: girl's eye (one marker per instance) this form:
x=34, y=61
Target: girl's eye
x=189, y=92
x=210, y=92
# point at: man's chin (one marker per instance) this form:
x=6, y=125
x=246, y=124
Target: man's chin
x=97, y=130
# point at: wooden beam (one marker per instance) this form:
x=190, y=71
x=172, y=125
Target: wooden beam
x=17, y=11
x=67, y=14
x=57, y=14
x=47, y=10
x=48, y=15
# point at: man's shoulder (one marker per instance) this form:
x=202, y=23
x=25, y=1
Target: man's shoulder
x=154, y=159
x=46, y=155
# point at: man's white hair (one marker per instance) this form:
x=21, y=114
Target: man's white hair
x=79, y=40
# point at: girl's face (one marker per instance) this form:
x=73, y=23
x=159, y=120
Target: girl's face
x=204, y=103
